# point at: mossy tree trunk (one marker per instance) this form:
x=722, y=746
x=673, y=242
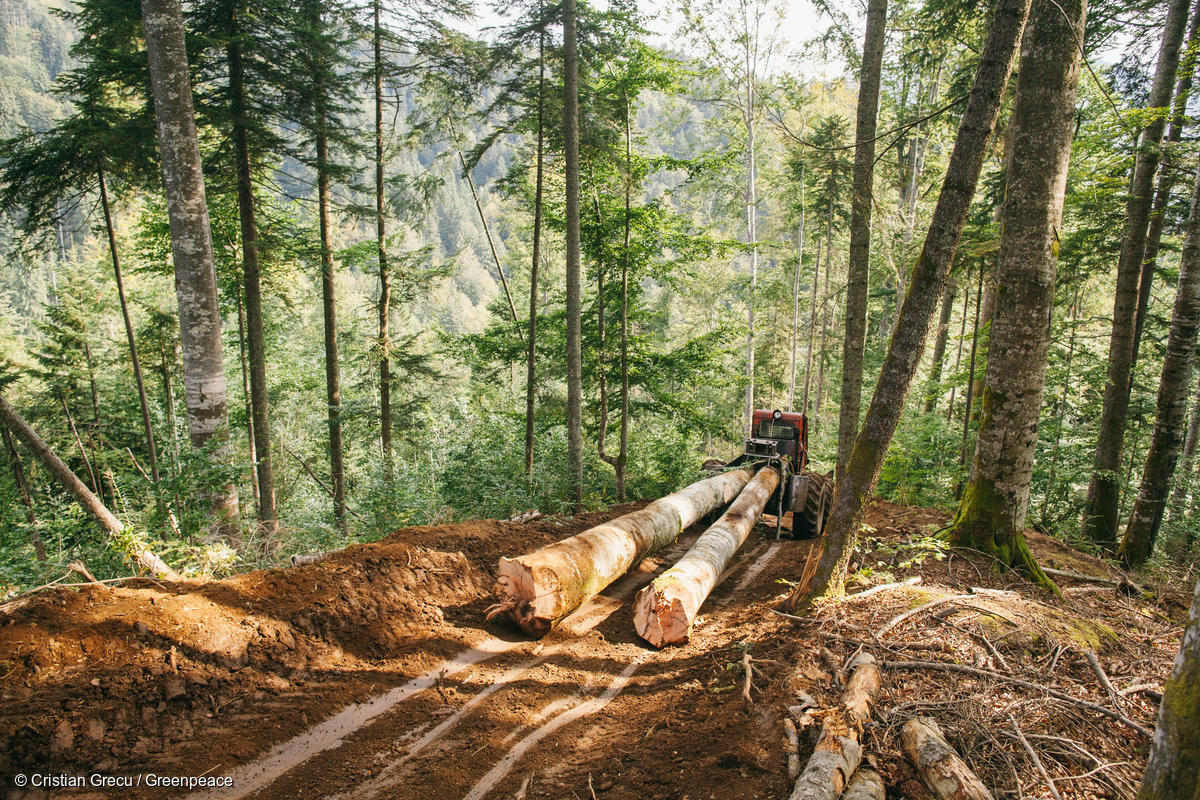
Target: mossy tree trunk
x=1104, y=491
x=1173, y=772
x=991, y=515
x=1138, y=541
x=858, y=267
x=924, y=290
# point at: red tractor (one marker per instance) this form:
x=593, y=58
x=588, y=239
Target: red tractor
x=780, y=438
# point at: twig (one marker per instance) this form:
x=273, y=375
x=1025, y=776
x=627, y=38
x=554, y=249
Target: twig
x=896, y=620
x=79, y=568
x=986, y=642
x=1037, y=687
x=304, y=465
x=1037, y=762
x=590, y=787
x=1102, y=676
x=883, y=587
x=1148, y=689
x=749, y=679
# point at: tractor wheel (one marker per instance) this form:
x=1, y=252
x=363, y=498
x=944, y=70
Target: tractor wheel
x=809, y=522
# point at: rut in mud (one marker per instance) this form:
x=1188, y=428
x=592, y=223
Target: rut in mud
x=371, y=674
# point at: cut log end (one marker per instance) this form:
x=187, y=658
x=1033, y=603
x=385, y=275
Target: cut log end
x=516, y=594
x=659, y=619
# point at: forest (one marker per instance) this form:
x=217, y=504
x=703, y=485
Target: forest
x=280, y=278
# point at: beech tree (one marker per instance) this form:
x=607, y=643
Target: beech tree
x=1173, y=391
x=925, y=289
x=991, y=516
x=191, y=243
x=574, y=289
x=1100, y=514
x=862, y=193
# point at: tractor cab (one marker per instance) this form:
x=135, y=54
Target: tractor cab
x=780, y=439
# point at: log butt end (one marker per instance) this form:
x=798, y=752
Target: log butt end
x=660, y=619
x=516, y=596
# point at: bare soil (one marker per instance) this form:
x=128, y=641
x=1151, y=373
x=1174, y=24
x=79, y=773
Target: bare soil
x=371, y=674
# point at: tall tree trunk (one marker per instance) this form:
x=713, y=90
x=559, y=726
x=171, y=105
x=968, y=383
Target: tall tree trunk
x=939, y=347
x=1173, y=387
x=531, y=352
x=87, y=500
x=1100, y=513
x=962, y=336
x=623, y=445
x=241, y=314
x=93, y=479
x=191, y=246
x=169, y=400
x=967, y=404
x=14, y=462
x=1060, y=413
x=825, y=314
x=925, y=288
x=796, y=296
x=385, y=278
x=147, y=427
x=260, y=412
x=333, y=388
x=751, y=224
x=1166, y=180
x=1173, y=771
x=1184, y=483
x=812, y=329
x=991, y=517
x=574, y=290
x=861, y=195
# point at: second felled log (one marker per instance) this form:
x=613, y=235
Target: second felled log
x=663, y=612
x=539, y=589
x=940, y=767
x=839, y=750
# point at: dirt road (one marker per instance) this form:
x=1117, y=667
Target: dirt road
x=460, y=709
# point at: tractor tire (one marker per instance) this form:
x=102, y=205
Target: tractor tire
x=809, y=522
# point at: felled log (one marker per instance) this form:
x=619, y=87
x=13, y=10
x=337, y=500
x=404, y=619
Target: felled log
x=865, y=785
x=308, y=558
x=839, y=749
x=940, y=767
x=121, y=537
x=664, y=611
x=539, y=589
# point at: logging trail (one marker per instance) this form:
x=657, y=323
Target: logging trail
x=371, y=674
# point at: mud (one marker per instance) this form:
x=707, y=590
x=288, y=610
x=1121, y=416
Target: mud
x=371, y=674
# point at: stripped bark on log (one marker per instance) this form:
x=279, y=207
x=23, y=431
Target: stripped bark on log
x=664, y=611
x=865, y=785
x=539, y=589
x=839, y=750
x=940, y=767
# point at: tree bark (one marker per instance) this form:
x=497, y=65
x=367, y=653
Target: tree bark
x=260, y=412
x=1184, y=482
x=14, y=462
x=1173, y=389
x=939, y=348
x=1100, y=513
x=191, y=245
x=941, y=769
x=839, y=749
x=539, y=589
x=925, y=288
x=968, y=399
x=531, y=352
x=858, y=266
x=573, y=287
x=796, y=299
x=1166, y=181
x=333, y=387
x=866, y=784
x=241, y=314
x=385, y=278
x=1173, y=771
x=748, y=43
x=86, y=499
x=663, y=612
x=962, y=336
x=991, y=517
x=147, y=427
x=812, y=330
